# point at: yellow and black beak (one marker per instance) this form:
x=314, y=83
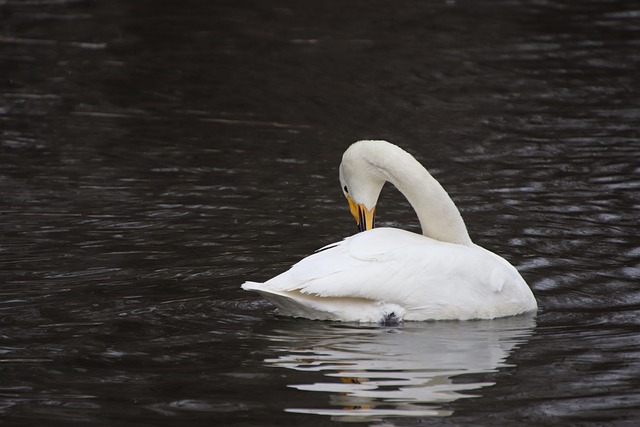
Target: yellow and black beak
x=365, y=218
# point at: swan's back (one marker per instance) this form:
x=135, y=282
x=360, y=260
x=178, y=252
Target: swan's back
x=385, y=271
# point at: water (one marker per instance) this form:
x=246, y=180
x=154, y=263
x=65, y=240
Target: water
x=154, y=155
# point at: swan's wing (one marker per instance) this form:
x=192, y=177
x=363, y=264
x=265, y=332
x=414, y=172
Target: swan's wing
x=387, y=264
x=341, y=268
x=335, y=283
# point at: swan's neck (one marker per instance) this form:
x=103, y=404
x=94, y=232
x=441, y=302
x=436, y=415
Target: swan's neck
x=438, y=215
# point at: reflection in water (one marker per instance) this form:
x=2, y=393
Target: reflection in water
x=374, y=372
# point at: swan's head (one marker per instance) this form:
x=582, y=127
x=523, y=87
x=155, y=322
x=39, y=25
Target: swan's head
x=361, y=180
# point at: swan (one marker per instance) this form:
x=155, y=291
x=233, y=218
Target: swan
x=392, y=275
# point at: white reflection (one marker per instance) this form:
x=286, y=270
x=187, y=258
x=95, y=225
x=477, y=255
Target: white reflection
x=374, y=372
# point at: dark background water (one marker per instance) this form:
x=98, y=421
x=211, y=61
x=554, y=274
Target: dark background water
x=156, y=154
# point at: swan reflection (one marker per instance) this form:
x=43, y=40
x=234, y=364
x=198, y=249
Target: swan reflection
x=373, y=372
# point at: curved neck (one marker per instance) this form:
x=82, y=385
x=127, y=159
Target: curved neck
x=438, y=215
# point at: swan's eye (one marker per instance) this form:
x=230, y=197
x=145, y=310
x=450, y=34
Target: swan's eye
x=345, y=189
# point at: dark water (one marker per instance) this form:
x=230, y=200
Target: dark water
x=155, y=154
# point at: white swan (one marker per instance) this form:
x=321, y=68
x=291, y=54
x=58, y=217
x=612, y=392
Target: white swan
x=387, y=274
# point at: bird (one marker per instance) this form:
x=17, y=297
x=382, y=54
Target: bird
x=389, y=275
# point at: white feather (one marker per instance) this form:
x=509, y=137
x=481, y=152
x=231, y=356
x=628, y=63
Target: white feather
x=385, y=269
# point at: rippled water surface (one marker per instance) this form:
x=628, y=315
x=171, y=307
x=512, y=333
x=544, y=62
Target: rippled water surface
x=154, y=155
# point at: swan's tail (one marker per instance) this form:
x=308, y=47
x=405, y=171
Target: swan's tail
x=309, y=306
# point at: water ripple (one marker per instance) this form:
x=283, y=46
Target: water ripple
x=155, y=156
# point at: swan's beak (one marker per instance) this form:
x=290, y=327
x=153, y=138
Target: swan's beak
x=365, y=218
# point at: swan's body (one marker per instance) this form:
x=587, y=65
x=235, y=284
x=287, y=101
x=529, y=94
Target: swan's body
x=388, y=273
